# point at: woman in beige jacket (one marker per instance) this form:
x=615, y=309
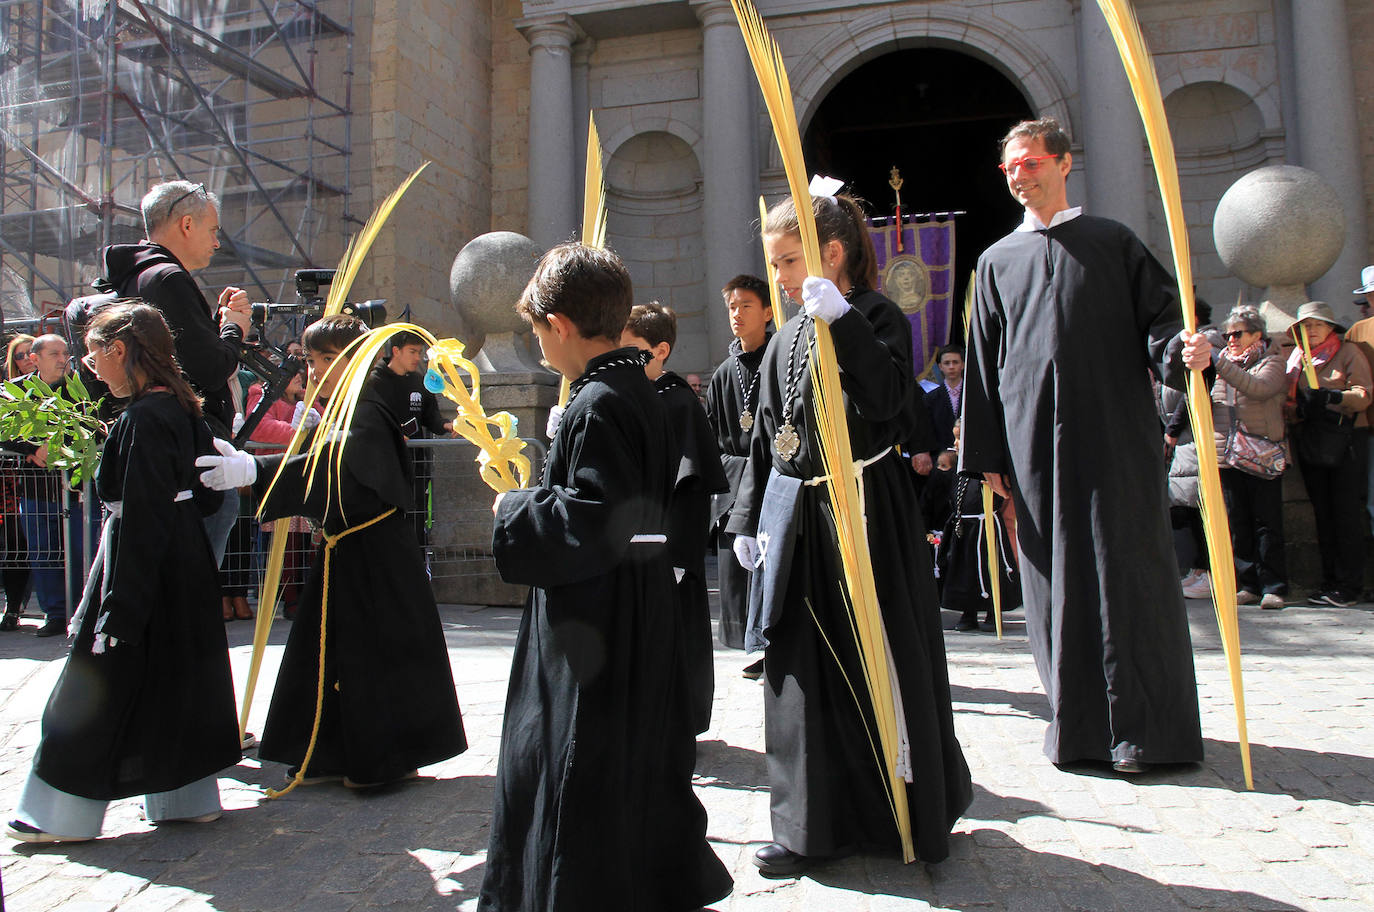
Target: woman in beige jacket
x=1335, y=480
x=1250, y=387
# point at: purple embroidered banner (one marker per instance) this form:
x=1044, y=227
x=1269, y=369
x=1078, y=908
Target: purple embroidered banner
x=916, y=270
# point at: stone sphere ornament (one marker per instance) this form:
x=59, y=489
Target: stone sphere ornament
x=487, y=277
x=1279, y=228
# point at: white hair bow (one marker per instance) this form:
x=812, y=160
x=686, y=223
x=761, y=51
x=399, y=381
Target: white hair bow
x=824, y=186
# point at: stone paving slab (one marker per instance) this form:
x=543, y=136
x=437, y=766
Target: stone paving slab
x=1036, y=838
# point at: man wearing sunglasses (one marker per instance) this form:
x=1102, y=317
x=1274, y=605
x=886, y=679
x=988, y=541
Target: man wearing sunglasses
x=1072, y=314
x=182, y=224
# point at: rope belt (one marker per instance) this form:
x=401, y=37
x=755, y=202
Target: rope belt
x=859, y=466
x=329, y=542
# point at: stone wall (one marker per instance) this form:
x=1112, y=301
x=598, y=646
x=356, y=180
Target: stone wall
x=510, y=119
x=1361, y=15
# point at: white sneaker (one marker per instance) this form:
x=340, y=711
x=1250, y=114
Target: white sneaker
x=1190, y=577
x=1246, y=597
x=1272, y=601
x=1200, y=587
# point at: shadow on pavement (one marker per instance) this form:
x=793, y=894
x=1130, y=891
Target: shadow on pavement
x=988, y=868
x=313, y=850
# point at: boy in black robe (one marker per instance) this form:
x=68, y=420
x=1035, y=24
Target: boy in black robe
x=653, y=328
x=732, y=404
x=594, y=801
x=389, y=703
x=1072, y=315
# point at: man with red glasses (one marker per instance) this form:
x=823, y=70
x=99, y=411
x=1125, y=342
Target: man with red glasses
x=1072, y=314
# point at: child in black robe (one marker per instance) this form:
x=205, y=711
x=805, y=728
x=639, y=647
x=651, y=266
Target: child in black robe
x=961, y=561
x=653, y=328
x=594, y=801
x=145, y=703
x=389, y=704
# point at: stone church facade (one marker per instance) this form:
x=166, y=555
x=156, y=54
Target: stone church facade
x=497, y=94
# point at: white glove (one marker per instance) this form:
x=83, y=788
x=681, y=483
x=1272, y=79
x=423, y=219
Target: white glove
x=747, y=551
x=302, y=414
x=238, y=423
x=822, y=300
x=555, y=416
x=231, y=469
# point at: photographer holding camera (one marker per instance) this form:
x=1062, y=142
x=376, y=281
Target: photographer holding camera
x=182, y=224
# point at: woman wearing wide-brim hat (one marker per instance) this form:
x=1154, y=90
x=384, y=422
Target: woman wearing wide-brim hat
x=1332, y=447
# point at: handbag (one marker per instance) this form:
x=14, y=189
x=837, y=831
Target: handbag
x=1253, y=454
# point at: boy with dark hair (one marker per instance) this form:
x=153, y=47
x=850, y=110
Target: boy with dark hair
x=593, y=786
x=389, y=705
x=653, y=328
x=732, y=402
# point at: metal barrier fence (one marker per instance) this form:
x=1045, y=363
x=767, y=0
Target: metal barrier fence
x=44, y=532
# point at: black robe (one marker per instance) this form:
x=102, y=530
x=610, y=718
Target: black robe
x=389, y=700
x=594, y=800
x=699, y=475
x=828, y=790
x=1067, y=326
x=156, y=711
x=724, y=404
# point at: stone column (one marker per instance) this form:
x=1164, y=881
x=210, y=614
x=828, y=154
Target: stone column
x=1109, y=127
x=553, y=160
x=1329, y=132
x=582, y=107
x=729, y=163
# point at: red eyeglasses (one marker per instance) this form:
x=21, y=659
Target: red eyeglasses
x=1029, y=162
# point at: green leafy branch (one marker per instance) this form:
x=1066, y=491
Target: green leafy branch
x=66, y=422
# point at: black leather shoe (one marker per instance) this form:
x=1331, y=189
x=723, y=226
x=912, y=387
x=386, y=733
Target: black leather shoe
x=9, y=621
x=774, y=860
x=52, y=628
x=965, y=624
x=753, y=671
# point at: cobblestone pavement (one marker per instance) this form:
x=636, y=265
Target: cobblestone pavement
x=1036, y=838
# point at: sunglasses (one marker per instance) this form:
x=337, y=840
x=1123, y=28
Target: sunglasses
x=1031, y=163
x=1234, y=334
x=198, y=188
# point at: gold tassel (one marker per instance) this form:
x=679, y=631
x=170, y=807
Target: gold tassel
x=1140, y=71
x=832, y=429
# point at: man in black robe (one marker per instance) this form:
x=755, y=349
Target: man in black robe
x=1072, y=313
x=653, y=328
x=594, y=801
x=732, y=402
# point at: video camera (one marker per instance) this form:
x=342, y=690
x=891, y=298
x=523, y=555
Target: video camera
x=310, y=285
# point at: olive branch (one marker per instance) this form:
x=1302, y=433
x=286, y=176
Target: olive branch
x=67, y=424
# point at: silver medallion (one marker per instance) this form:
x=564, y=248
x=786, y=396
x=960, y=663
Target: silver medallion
x=786, y=442
x=746, y=420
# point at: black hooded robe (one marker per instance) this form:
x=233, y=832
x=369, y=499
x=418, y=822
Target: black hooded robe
x=155, y=712
x=724, y=405
x=594, y=800
x=389, y=705
x=1068, y=324
x=699, y=475
x=828, y=789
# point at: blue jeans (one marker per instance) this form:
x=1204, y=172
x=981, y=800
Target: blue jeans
x=62, y=814
x=220, y=523
x=43, y=527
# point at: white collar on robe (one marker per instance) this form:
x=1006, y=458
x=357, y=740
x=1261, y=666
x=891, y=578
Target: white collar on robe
x=1031, y=223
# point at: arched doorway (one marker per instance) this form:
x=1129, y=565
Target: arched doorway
x=935, y=114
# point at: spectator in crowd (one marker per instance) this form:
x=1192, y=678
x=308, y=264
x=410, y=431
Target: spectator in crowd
x=943, y=402
x=19, y=356
x=182, y=223
x=43, y=501
x=145, y=702
x=1249, y=389
x=15, y=574
x=1331, y=453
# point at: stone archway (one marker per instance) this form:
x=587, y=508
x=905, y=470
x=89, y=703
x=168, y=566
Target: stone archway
x=654, y=202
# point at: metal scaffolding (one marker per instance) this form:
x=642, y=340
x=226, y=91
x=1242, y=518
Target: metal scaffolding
x=100, y=100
